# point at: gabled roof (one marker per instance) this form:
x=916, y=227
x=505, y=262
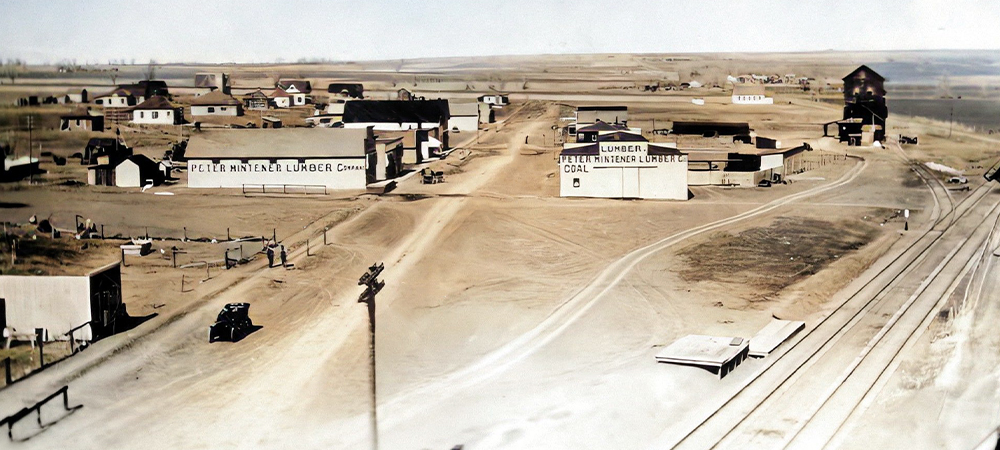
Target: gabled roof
x=120, y=91
x=215, y=98
x=396, y=111
x=303, y=86
x=155, y=102
x=866, y=69
x=602, y=108
x=620, y=136
x=257, y=94
x=600, y=126
x=279, y=92
x=143, y=162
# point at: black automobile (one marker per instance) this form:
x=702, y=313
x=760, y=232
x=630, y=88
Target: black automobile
x=232, y=324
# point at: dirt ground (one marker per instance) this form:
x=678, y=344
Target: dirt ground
x=511, y=318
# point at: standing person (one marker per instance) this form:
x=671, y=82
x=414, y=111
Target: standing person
x=284, y=256
x=270, y=256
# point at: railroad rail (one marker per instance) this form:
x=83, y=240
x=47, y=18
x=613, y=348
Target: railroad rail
x=921, y=245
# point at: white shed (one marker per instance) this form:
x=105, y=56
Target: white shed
x=751, y=94
x=61, y=303
x=464, y=117
x=137, y=171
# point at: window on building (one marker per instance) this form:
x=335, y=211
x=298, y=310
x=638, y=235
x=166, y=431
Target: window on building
x=576, y=182
x=222, y=108
x=211, y=109
x=156, y=114
x=141, y=114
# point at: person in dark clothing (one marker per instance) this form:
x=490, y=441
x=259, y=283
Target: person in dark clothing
x=284, y=257
x=270, y=256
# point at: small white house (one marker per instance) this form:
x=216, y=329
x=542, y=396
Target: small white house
x=281, y=98
x=216, y=103
x=157, y=111
x=118, y=98
x=495, y=99
x=298, y=89
x=751, y=94
x=464, y=116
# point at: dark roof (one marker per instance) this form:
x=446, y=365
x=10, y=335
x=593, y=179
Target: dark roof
x=723, y=128
x=304, y=86
x=591, y=149
x=215, y=98
x=122, y=91
x=155, y=102
x=279, y=92
x=257, y=94
x=866, y=69
x=396, y=111
x=602, y=108
x=143, y=162
x=620, y=136
x=600, y=126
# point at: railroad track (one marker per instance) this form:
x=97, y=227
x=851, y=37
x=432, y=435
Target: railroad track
x=727, y=426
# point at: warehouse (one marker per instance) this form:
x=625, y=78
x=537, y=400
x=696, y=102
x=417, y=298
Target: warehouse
x=622, y=164
x=330, y=158
x=751, y=94
x=744, y=167
x=589, y=115
x=464, y=117
x=60, y=303
x=83, y=120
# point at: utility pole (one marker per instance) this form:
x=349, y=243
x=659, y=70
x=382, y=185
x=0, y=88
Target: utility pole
x=31, y=170
x=372, y=286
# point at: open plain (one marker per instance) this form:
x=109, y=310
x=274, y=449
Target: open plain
x=513, y=318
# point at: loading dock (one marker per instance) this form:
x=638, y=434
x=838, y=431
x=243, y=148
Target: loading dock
x=719, y=355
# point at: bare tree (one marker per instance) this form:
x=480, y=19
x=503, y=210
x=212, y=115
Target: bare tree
x=113, y=74
x=12, y=70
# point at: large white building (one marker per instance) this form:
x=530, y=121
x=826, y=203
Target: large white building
x=334, y=158
x=622, y=164
x=751, y=94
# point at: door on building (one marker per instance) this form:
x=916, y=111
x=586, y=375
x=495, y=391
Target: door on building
x=630, y=182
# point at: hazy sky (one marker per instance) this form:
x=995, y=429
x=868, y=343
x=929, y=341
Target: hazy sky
x=263, y=31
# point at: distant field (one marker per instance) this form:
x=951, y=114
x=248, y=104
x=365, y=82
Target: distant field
x=981, y=114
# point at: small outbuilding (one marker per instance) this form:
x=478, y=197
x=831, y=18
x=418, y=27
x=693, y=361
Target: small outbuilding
x=719, y=355
x=82, y=121
x=58, y=304
x=137, y=171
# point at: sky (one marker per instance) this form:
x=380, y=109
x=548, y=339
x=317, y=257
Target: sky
x=249, y=31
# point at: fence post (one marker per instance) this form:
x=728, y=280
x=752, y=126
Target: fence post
x=325, y=229
x=274, y=235
x=123, y=258
x=185, y=233
x=39, y=333
x=9, y=377
x=102, y=231
x=208, y=273
x=227, y=235
x=308, y=247
x=182, y=282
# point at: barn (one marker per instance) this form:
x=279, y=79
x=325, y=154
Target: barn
x=61, y=303
x=328, y=158
x=621, y=164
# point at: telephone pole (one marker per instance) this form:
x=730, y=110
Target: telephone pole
x=31, y=170
x=372, y=286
